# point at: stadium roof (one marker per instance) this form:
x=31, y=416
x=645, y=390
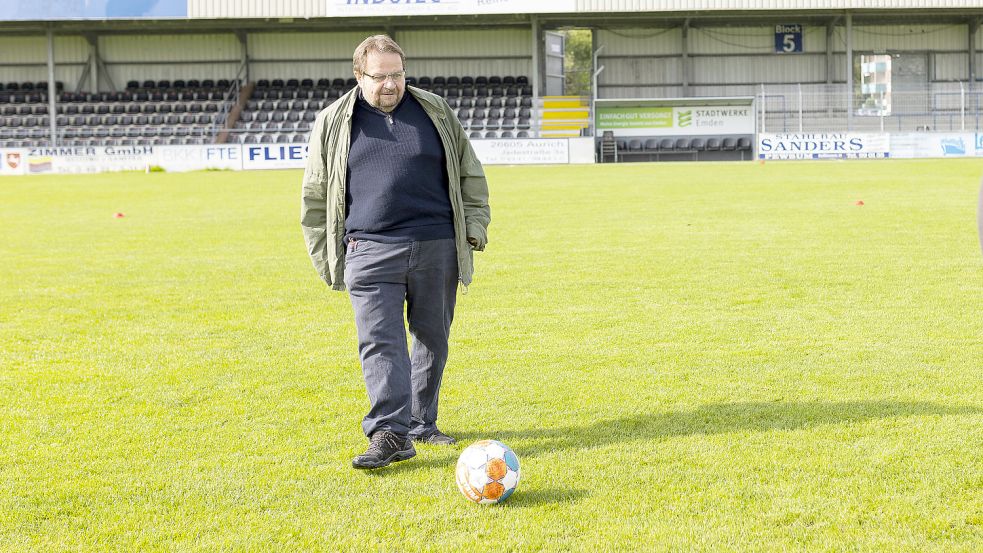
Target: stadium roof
x=305, y=15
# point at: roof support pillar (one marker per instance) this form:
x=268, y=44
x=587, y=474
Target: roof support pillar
x=52, y=92
x=684, y=62
x=849, y=71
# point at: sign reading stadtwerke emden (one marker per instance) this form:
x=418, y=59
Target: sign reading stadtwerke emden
x=689, y=120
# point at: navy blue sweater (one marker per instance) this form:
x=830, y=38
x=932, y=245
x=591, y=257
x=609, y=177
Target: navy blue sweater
x=397, y=176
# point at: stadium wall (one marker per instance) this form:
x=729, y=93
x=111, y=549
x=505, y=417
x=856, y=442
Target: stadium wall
x=732, y=60
x=272, y=55
x=155, y=56
x=25, y=58
x=430, y=52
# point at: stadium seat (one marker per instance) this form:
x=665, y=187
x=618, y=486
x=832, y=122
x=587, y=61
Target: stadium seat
x=651, y=144
x=729, y=143
x=713, y=144
x=698, y=144
x=635, y=145
x=682, y=144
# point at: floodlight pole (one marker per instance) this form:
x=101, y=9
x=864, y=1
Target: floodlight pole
x=52, y=107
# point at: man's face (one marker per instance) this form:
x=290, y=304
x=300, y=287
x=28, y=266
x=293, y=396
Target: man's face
x=383, y=95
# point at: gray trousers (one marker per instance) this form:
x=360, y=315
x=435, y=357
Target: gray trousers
x=383, y=279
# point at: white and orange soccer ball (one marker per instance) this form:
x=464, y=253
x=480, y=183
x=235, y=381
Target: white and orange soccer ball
x=487, y=472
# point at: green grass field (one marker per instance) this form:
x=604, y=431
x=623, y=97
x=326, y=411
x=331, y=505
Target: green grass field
x=684, y=356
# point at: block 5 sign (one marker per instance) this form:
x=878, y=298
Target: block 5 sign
x=788, y=39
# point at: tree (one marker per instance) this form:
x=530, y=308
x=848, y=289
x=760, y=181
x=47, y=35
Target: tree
x=577, y=61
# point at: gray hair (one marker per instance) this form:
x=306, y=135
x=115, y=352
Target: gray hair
x=376, y=43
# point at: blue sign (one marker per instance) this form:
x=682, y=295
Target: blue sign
x=45, y=10
x=788, y=39
x=274, y=156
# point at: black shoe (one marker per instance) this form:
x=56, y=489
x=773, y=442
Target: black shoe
x=435, y=437
x=385, y=447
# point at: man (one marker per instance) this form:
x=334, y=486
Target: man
x=394, y=203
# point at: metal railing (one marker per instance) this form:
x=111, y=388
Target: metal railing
x=949, y=107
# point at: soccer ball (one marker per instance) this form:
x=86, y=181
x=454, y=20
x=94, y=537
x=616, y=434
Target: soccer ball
x=487, y=472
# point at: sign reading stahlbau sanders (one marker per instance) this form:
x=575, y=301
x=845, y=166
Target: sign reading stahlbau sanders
x=675, y=120
x=823, y=145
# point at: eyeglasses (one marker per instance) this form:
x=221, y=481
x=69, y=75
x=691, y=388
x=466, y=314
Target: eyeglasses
x=396, y=76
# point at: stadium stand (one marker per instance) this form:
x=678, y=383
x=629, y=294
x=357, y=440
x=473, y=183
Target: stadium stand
x=214, y=111
x=284, y=110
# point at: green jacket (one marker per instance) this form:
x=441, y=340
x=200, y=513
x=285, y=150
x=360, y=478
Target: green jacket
x=322, y=213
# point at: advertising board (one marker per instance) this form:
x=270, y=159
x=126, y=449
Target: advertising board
x=823, y=145
x=675, y=117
